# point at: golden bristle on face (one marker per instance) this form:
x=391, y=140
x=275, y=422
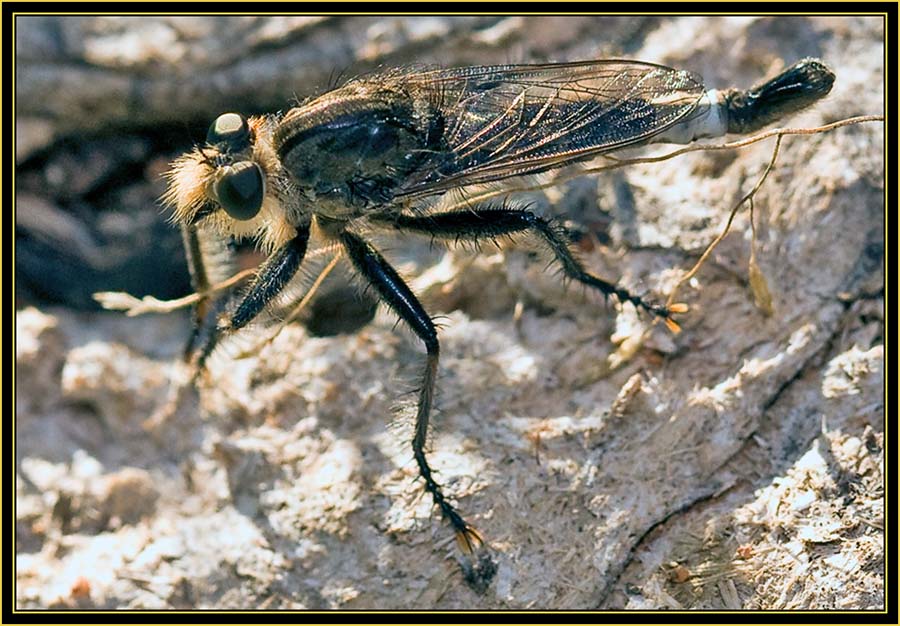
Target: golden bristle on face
x=191, y=177
x=187, y=181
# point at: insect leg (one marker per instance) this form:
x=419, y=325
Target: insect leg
x=273, y=275
x=398, y=296
x=210, y=260
x=485, y=223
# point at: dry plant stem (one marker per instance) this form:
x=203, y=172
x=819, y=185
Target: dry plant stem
x=731, y=145
x=121, y=301
x=747, y=197
x=758, y=282
x=133, y=306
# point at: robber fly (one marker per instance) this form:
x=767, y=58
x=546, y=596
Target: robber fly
x=375, y=152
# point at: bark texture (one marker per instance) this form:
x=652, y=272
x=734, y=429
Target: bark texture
x=736, y=465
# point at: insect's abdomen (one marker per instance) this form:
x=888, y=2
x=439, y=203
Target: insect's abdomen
x=352, y=152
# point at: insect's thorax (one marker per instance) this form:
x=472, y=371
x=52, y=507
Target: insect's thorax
x=351, y=150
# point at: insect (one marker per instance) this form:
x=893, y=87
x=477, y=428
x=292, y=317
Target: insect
x=376, y=152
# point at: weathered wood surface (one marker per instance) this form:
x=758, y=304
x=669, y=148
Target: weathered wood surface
x=736, y=465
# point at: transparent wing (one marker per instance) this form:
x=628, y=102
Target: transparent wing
x=502, y=121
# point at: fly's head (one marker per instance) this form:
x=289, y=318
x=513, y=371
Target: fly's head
x=234, y=183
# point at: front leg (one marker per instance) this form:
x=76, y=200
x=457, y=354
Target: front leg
x=274, y=274
x=478, y=567
x=210, y=260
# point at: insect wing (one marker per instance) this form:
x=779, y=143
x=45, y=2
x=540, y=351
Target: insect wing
x=502, y=121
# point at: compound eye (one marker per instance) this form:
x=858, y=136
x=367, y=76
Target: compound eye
x=239, y=189
x=230, y=129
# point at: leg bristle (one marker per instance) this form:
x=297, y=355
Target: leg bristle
x=672, y=325
x=469, y=540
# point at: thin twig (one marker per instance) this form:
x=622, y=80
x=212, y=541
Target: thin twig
x=747, y=197
x=133, y=306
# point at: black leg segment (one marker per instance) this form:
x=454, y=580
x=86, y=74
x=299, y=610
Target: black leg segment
x=486, y=223
x=397, y=295
x=271, y=279
x=392, y=289
x=273, y=276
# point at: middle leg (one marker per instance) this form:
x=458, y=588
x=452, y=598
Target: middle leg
x=400, y=298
